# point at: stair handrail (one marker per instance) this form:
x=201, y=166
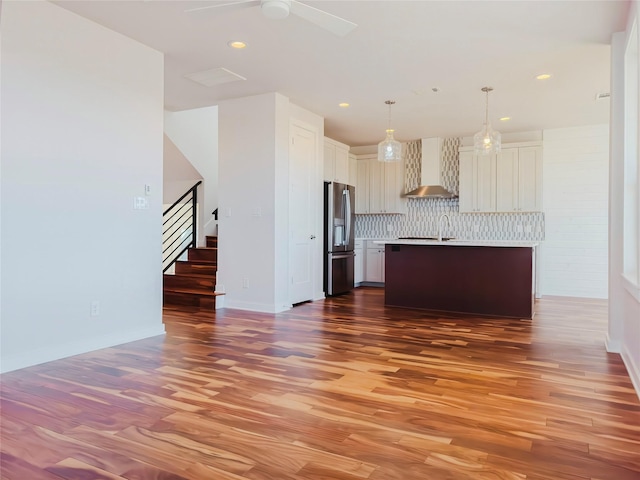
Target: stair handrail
x=183, y=195
x=177, y=232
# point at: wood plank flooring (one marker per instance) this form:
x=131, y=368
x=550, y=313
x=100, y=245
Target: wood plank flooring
x=343, y=389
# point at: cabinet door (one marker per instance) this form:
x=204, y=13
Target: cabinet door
x=358, y=273
x=507, y=180
x=353, y=172
x=485, y=173
x=393, y=188
x=341, y=165
x=362, y=186
x=467, y=187
x=373, y=270
x=382, y=264
x=329, y=162
x=530, y=179
x=376, y=186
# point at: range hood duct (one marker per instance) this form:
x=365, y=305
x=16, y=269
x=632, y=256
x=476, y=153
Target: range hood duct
x=431, y=172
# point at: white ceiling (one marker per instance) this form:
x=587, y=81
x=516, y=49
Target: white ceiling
x=400, y=51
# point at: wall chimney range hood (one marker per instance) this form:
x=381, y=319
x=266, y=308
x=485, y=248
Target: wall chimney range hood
x=431, y=172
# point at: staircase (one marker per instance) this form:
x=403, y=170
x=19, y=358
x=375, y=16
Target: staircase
x=194, y=280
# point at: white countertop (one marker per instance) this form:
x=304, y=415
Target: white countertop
x=461, y=243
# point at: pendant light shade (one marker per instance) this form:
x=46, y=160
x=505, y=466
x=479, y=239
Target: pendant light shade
x=487, y=140
x=389, y=150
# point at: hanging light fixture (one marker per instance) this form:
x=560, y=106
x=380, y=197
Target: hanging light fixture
x=389, y=150
x=487, y=140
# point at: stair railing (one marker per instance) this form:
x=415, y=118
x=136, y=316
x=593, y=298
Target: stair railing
x=179, y=227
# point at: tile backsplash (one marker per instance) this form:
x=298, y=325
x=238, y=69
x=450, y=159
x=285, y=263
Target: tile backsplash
x=422, y=215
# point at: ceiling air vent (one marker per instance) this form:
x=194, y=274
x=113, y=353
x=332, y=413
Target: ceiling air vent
x=215, y=76
x=601, y=96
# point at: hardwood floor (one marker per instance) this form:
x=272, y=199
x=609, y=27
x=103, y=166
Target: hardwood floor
x=339, y=389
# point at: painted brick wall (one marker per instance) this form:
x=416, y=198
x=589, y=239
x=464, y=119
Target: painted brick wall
x=575, y=196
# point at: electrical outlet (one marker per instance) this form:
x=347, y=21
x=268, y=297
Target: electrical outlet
x=389, y=228
x=527, y=228
x=519, y=228
x=245, y=283
x=95, y=308
x=476, y=227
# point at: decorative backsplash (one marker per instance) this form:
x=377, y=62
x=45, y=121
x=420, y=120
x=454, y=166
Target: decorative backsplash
x=422, y=215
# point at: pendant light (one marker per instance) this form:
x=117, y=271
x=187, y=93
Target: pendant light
x=389, y=150
x=487, y=140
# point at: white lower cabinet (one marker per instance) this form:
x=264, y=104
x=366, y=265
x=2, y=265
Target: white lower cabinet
x=374, y=266
x=358, y=267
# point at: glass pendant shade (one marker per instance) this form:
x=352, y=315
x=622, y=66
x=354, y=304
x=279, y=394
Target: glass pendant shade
x=487, y=140
x=389, y=150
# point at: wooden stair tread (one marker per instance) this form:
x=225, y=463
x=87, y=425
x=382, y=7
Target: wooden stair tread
x=193, y=291
x=194, y=279
x=196, y=262
x=194, y=275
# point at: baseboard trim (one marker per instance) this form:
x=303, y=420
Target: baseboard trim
x=256, y=307
x=632, y=369
x=49, y=354
x=612, y=346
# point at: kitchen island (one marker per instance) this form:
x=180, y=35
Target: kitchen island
x=470, y=277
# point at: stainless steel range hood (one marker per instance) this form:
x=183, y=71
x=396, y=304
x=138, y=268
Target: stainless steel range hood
x=431, y=172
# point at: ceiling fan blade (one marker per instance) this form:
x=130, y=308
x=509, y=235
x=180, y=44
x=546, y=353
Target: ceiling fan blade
x=336, y=25
x=230, y=5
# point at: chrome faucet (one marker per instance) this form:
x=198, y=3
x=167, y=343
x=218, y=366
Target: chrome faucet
x=444, y=215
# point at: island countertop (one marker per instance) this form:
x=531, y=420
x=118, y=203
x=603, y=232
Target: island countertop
x=459, y=243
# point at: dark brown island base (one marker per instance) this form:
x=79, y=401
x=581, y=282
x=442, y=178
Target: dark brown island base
x=461, y=277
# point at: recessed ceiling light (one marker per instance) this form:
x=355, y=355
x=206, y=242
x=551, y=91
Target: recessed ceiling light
x=543, y=76
x=505, y=119
x=343, y=105
x=237, y=44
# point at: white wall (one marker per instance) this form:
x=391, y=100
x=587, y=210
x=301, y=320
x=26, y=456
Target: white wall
x=624, y=294
x=253, y=219
x=195, y=134
x=82, y=135
x=178, y=173
x=575, y=196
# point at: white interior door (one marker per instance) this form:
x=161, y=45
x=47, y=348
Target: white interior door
x=302, y=157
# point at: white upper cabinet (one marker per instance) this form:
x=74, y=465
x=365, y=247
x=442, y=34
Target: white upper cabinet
x=336, y=161
x=477, y=182
x=380, y=186
x=353, y=170
x=362, y=186
x=530, y=179
x=510, y=181
x=519, y=179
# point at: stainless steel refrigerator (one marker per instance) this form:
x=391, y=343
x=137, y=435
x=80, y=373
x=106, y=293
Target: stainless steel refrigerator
x=339, y=220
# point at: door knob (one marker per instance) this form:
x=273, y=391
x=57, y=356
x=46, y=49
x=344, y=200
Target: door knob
x=312, y=237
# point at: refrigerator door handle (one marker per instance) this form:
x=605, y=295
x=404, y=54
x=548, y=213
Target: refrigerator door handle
x=338, y=256
x=347, y=216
